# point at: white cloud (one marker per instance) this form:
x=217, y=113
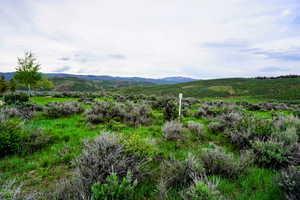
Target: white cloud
x=152, y=38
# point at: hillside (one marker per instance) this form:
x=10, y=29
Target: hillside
x=78, y=84
x=283, y=89
x=167, y=80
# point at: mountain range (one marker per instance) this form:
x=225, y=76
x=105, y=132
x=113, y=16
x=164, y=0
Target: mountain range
x=167, y=80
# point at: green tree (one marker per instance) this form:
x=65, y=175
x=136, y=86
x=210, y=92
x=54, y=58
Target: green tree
x=27, y=71
x=44, y=83
x=3, y=85
x=12, y=85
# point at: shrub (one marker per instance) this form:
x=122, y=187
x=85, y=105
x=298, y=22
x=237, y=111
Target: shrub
x=63, y=109
x=130, y=113
x=11, y=191
x=114, y=188
x=36, y=140
x=15, y=98
x=179, y=174
x=173, y=130
x=170, y=110
x=25, y=110
x=9, y=112
x=101, y=157
x=11, y=137
x=217, y=126
x=137, y=145
x=196, y=128
x=217, y=162
x=14, y=138
x=289, y=182
x=137, y=114
x=103, y=111
x=202, y=189
x=271, y=153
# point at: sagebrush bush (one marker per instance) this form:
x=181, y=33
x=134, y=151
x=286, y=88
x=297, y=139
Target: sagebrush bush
x=101, y=157
x=25, y=110
x=9, y=112
x=271, y=153
x=63, y=109
x=196, y=128
x=289, y=182
x=13, y=191
x=103, y=111
x=114, y=188
x=173, y=130
x=217, y=162
x=137, y=114
x=130, y=113
x=179, y=174
x=217, y=126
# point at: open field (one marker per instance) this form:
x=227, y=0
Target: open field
x=204, y=137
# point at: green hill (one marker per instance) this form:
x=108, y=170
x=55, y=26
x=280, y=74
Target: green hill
x=78, y=84
x=280, y=89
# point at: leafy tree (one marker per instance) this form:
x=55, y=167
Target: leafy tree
x=3, y=85
x=27, y=72
x=12, y=85
x=44, y=83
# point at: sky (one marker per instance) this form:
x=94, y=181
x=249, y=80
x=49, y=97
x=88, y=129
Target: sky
x=154, y=38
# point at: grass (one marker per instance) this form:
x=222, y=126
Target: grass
x=233, y=88
x=43, y=169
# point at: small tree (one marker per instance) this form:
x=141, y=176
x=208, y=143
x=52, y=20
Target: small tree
x=27, y=71
x=3, y=85
x=12, y=85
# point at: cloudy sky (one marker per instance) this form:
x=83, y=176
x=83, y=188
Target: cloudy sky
x=154, y=38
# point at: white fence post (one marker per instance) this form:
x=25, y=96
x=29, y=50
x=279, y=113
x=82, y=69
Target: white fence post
x=180, y=98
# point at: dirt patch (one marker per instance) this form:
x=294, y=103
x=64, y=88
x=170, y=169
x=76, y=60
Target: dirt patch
x=228, y=89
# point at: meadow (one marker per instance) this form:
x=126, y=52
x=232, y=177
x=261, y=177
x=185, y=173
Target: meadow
x=114, y=146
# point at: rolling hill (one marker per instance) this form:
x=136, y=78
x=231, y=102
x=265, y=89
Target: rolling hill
x=167, y=80
x=78, y=84
x=280, y=89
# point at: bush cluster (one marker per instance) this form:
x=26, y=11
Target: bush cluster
x=173, y=130
x=130, y=113
x=196, y=128
x=202, y=189
x=274, y=141
x=15, y=138
x=102, y=157
x=289, y=182
x=179, y=174
x=24, y=110
x=15, y=98
x=217, y=162
x=114, y=188
x=63, y=109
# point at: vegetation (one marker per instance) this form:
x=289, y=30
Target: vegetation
x=27, y=73
x=105, y=145
x=286, y=89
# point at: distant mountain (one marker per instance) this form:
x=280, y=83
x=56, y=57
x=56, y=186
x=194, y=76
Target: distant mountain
x=167, y=80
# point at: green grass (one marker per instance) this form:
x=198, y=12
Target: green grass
x=243, y=89
x=45, y=100
x=43, y=169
